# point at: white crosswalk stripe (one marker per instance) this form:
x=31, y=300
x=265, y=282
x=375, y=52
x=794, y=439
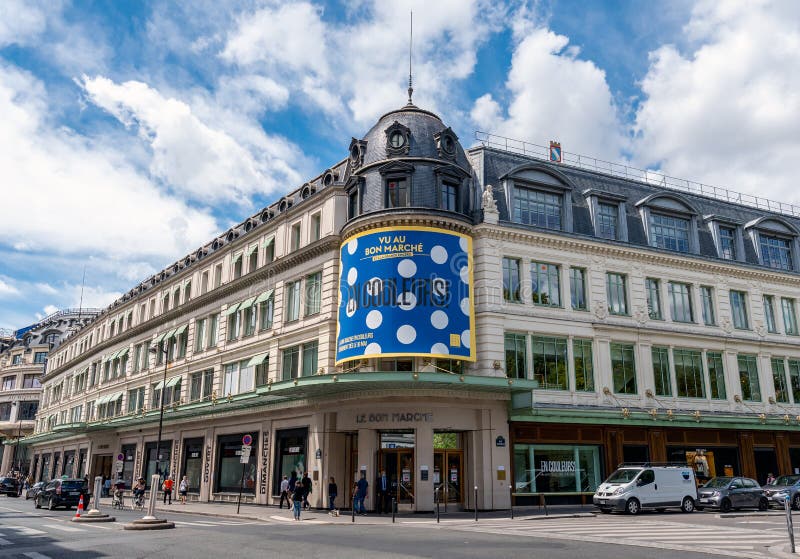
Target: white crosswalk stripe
x=735, y=542
x=63, y=528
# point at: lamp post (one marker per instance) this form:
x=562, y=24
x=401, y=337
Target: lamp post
x=160, y=350
x=17, y=406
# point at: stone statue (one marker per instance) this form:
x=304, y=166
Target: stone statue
x=488, y=199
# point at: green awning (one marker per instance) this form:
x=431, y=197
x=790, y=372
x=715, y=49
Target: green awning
x=237, y=258
x=264, y=296
x=258, y=360
x=173, y=381
x=122, y=353
x=101, y=400
x=169, y=334
x=181, y=330
x=232, y=309
x=247, y=303
x=251, y=250
x=269, y=240
x=158, y=339
x=115, y=397
x=159, y=385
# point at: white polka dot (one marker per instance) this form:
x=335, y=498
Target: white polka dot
x=465, y=305
x=372, y=349
x=439, y=320
x=463, y=242
x=352, y=276
x=439, y=349
x=351, y=308
x=374, y=319
x=464, y=273
x=407, y=268
x=439, y=254
x=352, y=246
x=406, y=334
x=375, y=286
x=465, y=338
x=407, y=301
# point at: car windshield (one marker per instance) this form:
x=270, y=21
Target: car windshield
x=623, y=476
x=786, y=480
x=718, y=482
x=71, y=485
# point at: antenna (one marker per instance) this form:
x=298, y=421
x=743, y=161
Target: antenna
x=410, y=42
x=83, y=283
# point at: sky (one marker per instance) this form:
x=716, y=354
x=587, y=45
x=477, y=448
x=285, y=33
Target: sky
x=132, y=132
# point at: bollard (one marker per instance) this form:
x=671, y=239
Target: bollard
x=476, y=503
x=98, y=488
x=511, y=501
x=151, y=506
x=394, y=508
x=353, y=518
x=437, y=507
x=789, y=525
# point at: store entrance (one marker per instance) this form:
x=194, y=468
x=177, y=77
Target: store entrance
x=399, y=466
x=448, y=476
x=766, y=463
x=101, y=466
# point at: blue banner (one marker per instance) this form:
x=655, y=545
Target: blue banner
x=406, y=292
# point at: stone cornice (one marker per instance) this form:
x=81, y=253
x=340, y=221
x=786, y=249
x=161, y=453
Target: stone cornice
x=408, y=217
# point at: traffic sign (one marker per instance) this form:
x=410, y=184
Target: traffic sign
x=120, y=457
x=244, y=458
x=247, y=440
x=118, y=466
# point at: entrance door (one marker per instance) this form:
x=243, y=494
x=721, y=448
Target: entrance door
x=399, y=466
x=448, y=475
x=102, y=466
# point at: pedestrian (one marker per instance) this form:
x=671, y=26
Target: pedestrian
x=167, y=488
x=183, y=489
x=361, y=487
x=106, y=486
x=306, y=481
x=770, y=479
x=382, y=493
x=332, y=493
x=297, y=499
x=285, y=492
x=292, y=481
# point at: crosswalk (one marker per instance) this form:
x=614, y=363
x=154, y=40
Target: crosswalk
x=733, y=542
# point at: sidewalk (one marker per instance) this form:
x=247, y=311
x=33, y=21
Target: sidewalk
x=274, y=514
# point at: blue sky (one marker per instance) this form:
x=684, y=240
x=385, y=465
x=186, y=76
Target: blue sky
x=135, y=131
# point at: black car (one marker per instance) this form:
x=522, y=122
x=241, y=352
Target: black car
x=34, y=489
x=62, y=493
x=9, y=486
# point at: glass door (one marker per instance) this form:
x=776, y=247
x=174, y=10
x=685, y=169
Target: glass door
x=399, y=466
x=448, y=476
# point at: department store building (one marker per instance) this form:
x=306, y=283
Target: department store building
x=473, y=322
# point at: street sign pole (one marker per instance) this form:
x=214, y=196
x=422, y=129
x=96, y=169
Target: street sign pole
x=247, y=440
x=241, y=487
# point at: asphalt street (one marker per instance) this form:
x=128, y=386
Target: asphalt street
x=40, y=534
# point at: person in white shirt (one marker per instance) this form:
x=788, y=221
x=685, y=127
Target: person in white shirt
x=285, y=492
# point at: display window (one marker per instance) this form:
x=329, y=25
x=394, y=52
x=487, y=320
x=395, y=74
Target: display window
x=128, y=452
x=290, y=455
x=193, y=463
x=556, y=468
x=232, y=475
x=707, y=462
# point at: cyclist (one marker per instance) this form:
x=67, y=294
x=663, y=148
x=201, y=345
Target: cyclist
x=138, y=491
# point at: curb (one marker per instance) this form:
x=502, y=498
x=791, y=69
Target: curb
x=748, y=514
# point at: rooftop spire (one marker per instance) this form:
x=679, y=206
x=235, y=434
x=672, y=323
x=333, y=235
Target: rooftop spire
x=410, y=41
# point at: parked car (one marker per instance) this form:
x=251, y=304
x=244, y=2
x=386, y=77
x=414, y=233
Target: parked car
x=33, y=490
x=62, y=493
x=726, y=493
x=777, y=491
x=9, y=486
x=633, y=488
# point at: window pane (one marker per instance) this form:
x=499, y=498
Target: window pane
x=511, y=279
x=716, y=375
x=534, y=207
x=623, y=368
x=550, y=362
x=584, y=369
x=727, y=243
x=789, y=316
x=669, y=232
x=397, y=193
x=291, y=362
x=516, y=359
x=653, y=299
x=313, y=293
x=748, y=378
x=607, y=217
x=617, y=294
x=661, y=375
x=689, y=373
x=310, y=358
x=794, y=378
x=449, y=193
x=707, y=297
x=545, y=284
x=739, y=310
x=577, y=286
x=769, y=313
x=779, y=380
x=681, y=302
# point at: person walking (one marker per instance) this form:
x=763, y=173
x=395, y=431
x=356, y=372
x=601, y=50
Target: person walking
x=297, y=499
x=285, y=493
x=361, y=487
x=382, y=494
x=167, y=487
x=306, y=481
x=183, y=489
x=106, y=486
x=333, y=491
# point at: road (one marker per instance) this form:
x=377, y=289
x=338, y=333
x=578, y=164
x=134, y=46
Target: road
x=40, y=534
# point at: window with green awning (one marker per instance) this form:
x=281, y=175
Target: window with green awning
x=247, y=303
x=264, y=296
x=232, y=309
x=258, y=360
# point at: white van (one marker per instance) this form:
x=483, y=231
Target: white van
x=633, y=488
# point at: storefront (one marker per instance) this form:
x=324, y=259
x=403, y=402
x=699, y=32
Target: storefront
x=46, y=462
x=128, y=452
x=151, y=460
x=69, y=463
x=556, y=470
x=193, y=463
x=290, y=455
x=233, y=476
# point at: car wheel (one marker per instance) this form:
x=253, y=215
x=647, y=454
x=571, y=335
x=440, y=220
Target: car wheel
x=51, y=504
x=687, y=505
x=796, y=502
x=725, y=505
x=763, y=504
x=633, y=506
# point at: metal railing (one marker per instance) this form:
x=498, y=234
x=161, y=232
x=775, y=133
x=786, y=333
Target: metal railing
x=652, y=178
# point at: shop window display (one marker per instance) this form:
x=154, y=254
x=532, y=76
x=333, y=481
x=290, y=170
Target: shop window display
x=565, y=469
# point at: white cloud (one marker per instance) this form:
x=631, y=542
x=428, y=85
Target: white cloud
x=49, y=309
x=20, y=21
x=7, y=289
x=727, y=111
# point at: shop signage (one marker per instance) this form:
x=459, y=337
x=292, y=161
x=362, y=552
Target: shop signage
x=294, y=450
x=406, y=476
x=556, y=466
x=400, y=417
x=118, y=465
x=245, y=454
x=207, y=464
x=406, y=292
x=500, y=441
x=264, y=462
x=175, y=453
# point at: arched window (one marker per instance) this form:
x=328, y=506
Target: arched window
x=670, y=222
x=775, y=242
x=538, y=196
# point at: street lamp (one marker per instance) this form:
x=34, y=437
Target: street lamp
x=160, y=349
x=17, y=406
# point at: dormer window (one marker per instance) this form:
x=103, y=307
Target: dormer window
x=669, y=232
x=608, y=214
x=670, y=222
x=446, y=142
x=775, y=242
x=727, y=235
x=607, y=220
x=776, y=252
x=398, y=139
x=727, y=243
x=397, y=193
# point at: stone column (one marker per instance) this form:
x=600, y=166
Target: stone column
x=423, y=446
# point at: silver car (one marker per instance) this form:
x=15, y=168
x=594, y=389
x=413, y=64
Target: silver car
x=784, y=486
x=726, y=493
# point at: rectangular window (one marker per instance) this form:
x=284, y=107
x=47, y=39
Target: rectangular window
x=249, y=319
x=310, y=351
x=748, y=378
x=545, y=284
x=229, y=470
x=313, y=293
x=199, y=334
x=680, y=295
x=237, y=378
x=716, y=376
x=607, y=218
x=789, y=316
x=584, y=368
x=739, y=310
x=269, y=250
x=617, y=293
x=352, y=204
x=252, y=259
x=40, y=357
x=566, y=469
x=535, y=207
x=511, y=280
x=234, y=322
x=294, y=241
x=794, y=378
x=266, y=310
x=550, y=362
x=779, y=380
x=689, y=373
x=707, y=300
x=397, y=194
x=316, y=221
x=769, y=314
x=623, y=368
x=213, y=324
x=577, y=288
x=135, y=400
x=516, y=357
x=449, y=194
x=32, y=381
x=671, y=233
x=195, y=386
x=203, y=284
x=217, y=275
x=291, y=362
x=292, y=300
x=776, y=252
x=653, y=288
x=262, y=373
x=727, y=243
x=208, y=383
x=661, y=376
x=237, y=266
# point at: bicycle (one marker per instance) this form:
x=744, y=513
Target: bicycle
x=138, y=502
x=117, y=501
